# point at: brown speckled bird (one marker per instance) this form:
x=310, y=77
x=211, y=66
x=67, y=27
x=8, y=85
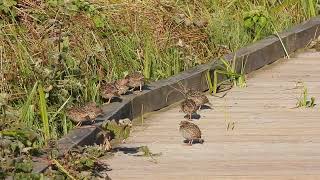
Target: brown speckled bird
x=189, y=107
x=109, y=91
x=135, y=79
x=190, y=132
x=198, y=97
x=105, y=136
x=122, y=86
x=89, y=112
x=93, y=110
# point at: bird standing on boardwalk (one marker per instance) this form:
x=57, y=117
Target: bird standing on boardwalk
x=89, y=112
x=189, y=107
x=135, y=79
x=198, y=97
x=109, y=91
x=190, y=132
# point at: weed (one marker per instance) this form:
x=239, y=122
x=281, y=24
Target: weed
x=120, y=131
x=209, y=82
x=147, y=153
x=227, y=119
x=256, y=21
x=228, y=69
x=304, y=100
x=60, y=167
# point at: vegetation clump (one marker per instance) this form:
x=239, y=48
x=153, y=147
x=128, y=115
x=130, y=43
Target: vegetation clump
x=304, y=100
x=18, y=152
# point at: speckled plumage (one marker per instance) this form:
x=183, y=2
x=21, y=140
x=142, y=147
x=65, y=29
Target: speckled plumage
x=135, y=79
x=122, y=86
x=89, y=112
x=188, y=106
x=109, y=91
x=198, y=97
x=78, y=115
x=190, y=132
x=93, y=110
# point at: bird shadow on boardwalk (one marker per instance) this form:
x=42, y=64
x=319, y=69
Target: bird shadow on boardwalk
x=127, y=150
x=140, y=151
x=205, y=107
x=196, y=141
x=193, y=116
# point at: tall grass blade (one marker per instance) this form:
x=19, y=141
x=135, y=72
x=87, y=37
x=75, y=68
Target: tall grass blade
x=25, y=111
x=209, y=82
x=44, y=113
x=283, y=46
x=59, y=110
x=64, y=124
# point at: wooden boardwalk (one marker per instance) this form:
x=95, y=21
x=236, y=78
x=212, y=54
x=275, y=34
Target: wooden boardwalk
x=269, y=140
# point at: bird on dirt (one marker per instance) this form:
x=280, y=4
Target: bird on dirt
x=88, y=112
x=108, y=91
x=135, y=79
x=198, y=97
x=191, y=132
x=122, y=86
x=189, y=107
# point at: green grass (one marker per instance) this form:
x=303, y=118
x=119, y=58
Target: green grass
x=304, y=100
x=229, y=71
x=68, y=48
x=44, y=113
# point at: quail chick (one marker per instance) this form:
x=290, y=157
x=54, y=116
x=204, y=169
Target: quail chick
x=126, y=125
x=189, y=107
x=190, y=132
x=109, y=91
x=106, y=138
x=198, y=97
x=122, y=86
x=78, y=115
x=92, y=110
x=89, y=112
x=135, y=79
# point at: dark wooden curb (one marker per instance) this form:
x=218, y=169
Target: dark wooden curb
x=255, y=56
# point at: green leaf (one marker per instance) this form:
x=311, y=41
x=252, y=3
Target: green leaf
x=262, y=21
x=255, y=19
x=248, y=23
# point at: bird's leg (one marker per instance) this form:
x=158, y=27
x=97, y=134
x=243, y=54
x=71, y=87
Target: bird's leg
x=190, y=116
x=190, y=142
x=199, y=108
x=140, y=87
x=109, y=101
